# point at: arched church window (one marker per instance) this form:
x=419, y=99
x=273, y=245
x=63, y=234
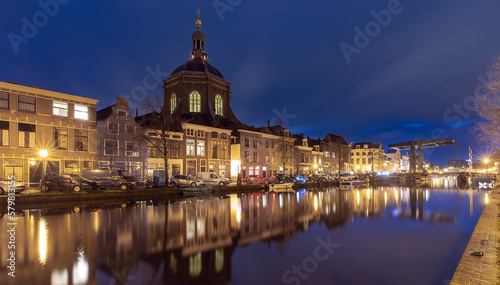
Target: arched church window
x=173, y=102
x=218, y=105
x=194, y=102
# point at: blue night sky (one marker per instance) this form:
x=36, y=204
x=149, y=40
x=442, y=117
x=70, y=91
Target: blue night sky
x=413, y=77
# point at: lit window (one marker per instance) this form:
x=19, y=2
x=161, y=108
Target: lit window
x=60, y=109
x=194, y=102
x=81, y=112
x=201, y=148
x=4, y=133
x=218, y=105
x=173, y=103
x=27, y=135
x=190, y=147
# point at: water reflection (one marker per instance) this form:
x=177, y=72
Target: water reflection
x=193, y=241
x=42, y=240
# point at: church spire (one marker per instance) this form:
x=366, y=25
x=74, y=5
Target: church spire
x=198, y=53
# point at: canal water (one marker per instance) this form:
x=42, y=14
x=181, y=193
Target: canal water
x=381, y=235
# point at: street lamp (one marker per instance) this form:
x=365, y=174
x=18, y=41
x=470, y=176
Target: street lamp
x=43, y=154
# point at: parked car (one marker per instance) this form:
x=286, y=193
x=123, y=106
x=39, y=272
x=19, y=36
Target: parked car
x=257, y=179
x=111, y=179
x=184, y=180
x=210, y=178
x=318, y=178
x=5, y=184
x=279, y=178
x=298, y=178
x=66, y=182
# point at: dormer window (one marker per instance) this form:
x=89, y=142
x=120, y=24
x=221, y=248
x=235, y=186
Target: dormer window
x=121, y=114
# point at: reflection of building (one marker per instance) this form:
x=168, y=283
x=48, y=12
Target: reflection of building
x=187, y=242
x=119, y=140
x=32, y=119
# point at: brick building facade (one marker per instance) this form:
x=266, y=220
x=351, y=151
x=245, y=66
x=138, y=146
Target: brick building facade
x=119, y=144
x=34, y=119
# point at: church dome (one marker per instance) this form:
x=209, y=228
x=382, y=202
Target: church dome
x=198, y=61
x=197, y=68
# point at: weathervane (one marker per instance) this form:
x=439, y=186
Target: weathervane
x=198, y=20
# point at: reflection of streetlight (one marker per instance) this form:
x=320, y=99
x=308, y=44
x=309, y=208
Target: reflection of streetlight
x=43, y=154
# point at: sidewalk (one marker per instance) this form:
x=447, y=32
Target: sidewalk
x=482, y=269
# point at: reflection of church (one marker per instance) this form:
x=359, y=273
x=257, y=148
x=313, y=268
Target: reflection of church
x=188, y=241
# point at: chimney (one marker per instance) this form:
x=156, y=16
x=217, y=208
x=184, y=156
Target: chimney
x=136, y=113
x=268, y=124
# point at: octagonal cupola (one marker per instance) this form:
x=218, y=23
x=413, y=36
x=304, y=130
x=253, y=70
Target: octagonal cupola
x=198, y=53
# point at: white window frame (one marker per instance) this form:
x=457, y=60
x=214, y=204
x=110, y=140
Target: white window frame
x=113, y=131
x=200, y=147
x=134, y=152
x=190, y=148
x=81, y=112
x=60, y=108
x=117, y=151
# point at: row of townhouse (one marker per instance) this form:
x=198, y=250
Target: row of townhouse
x=33, y=119
x=207, y=136
x=369, y=157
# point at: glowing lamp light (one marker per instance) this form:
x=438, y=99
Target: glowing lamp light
x=315, y=166
x=486, y=160
x=43, y=153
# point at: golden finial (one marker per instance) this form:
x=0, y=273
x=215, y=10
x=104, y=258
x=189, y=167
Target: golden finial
x=198, y=20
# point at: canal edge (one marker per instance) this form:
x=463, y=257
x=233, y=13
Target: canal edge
x=485, y=238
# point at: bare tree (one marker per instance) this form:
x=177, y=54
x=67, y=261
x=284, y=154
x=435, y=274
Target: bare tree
x=284, y=147
x=488, y=108
x=159, y=125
